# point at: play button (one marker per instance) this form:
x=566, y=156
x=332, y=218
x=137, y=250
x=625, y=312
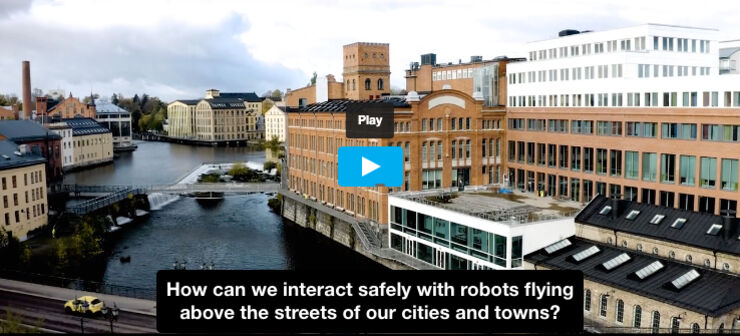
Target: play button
x=368, y=166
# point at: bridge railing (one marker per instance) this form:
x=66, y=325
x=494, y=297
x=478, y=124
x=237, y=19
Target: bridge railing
x=100, y=202
x=79, y=284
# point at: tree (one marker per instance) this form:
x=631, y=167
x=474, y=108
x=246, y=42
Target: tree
x=238, y=169
x=313, y=79
x=12, y=324
x=86, y=99
x=277, y=93
x=273, y=144
x=136, y=98
x=114, y=99
x=266, y=105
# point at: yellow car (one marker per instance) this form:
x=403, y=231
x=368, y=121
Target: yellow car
x=87, y=305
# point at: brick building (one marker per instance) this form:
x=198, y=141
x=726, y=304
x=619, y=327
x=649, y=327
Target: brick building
x=40, y=140
x=366, y=75
x=640, y=111
x=9, y=112
x=70, y=107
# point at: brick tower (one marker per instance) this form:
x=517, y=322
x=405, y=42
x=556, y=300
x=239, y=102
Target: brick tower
x=367, y=70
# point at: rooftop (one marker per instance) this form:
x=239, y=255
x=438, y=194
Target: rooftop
x=247, y=96
x=106, y=107
x=517, y=207
x=662, y=223
x=10, y=158
x=712, y=292
x=85, y=126
x=340, y=105
x=25, y=131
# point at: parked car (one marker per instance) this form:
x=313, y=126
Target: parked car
x=88, y=305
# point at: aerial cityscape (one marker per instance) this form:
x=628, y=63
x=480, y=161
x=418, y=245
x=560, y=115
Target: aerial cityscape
x=607, y=148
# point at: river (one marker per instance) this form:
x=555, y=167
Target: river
x=238, y=233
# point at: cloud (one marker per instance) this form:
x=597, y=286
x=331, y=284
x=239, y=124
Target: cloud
x=177, y=49
x=171, y=60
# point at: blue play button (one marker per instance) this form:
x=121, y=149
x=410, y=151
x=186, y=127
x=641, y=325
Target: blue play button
x=370, y=166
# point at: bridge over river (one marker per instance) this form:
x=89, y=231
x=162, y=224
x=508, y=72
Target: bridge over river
x=106, y=195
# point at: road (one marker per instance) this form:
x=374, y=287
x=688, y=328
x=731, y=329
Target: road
x=52, y=316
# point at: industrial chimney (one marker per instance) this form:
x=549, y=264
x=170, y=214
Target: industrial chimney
x=27, y=104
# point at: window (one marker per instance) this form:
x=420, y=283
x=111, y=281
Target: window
x=587, y=300
x=667, y=168
x=687, y=170
x=632, y=163
x=656, y=322
x=714, y=229
x=729, y=174
x=708, y=172
x=615, y=157
x=601, y=161
x=620, y=311
x=367, y=84
x=657, y=219
x=725, y=133
x=678, y=223
x=637, y=318
x=679, y=131
x=649, y=166
x=695, y=328
x=603, y=305
x=632, y=215
x=674, y=323
x=380, y=84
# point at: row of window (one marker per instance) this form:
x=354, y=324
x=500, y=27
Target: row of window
x=582, y=190
x=480, y=244
x=36, y=194
x=337, y=199
x=452, y=74
x=368, y=85
x=610, y=162
x=637, y=318
x=566, y=74
x=630, y=99
x=586, y=49
x=643, y=70
x=681, y=131
x=31, y=212
x=34, y=177
x=659, y=43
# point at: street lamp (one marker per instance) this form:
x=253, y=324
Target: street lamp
x=110, y=314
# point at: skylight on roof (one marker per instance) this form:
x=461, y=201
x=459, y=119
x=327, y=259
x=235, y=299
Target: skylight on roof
x=657, y=219
x=678, y=223
x=685, y=279
x=714, y=229
x=616, y=261
x=632, y=215
x=605, y=210
x=557, y=246
x=649, y=270
x=580, y=256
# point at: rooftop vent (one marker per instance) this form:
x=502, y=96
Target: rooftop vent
x=567, y=32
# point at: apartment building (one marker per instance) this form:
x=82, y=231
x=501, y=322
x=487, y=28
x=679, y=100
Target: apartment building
x=275, y=119
x=650, y=268
x=40, y=141
x=92, y=143
x=65, y=132
x=23, y=179
x=220, y=116
x=640, y=111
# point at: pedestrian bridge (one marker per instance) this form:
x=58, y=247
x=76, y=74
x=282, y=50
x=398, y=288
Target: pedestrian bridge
x=105, y=195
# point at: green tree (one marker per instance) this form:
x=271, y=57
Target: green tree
x=273, y=144
x=269, y=165
x=238, y=169
x=277, y=93
x=114, y=99
x=313, y=79
x=12, y=324
x=144, y=121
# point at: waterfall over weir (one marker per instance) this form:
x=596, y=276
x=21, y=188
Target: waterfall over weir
x=158, y=200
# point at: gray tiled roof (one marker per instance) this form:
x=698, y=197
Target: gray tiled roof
x=8, y=158
x=105, y=107
x=85, y=126
x=247, y=96
x=25, y=130
x=188, y=101
x=340, y=105
x=693, y=233
x=713, y=293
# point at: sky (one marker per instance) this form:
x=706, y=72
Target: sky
x=178, y=49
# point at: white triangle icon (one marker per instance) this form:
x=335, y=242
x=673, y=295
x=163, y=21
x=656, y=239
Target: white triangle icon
x=368, y=166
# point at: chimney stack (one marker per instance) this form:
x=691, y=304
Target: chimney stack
x=27, y=108
x=729, y=227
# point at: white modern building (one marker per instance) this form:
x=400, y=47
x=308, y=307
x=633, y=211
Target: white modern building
x=118, y=121
x=729, y=57
x=472, y=230
x=275, y=119
x=65, y=131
